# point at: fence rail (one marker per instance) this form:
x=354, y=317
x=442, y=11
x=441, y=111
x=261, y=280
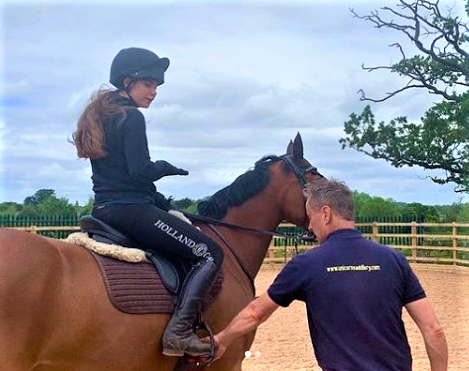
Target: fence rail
x=437, y=243
x=52, y=226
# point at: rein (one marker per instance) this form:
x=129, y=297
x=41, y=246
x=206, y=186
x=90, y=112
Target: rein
x=240, y=262
x=208, y=220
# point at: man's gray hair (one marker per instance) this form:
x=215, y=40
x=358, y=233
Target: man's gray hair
x=332, y=193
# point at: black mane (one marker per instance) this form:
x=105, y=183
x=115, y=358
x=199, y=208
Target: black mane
x=243, y=188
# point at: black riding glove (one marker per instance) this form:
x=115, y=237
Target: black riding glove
x=162, y=202
x=168, y=169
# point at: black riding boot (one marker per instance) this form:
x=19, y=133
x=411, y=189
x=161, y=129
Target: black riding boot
x=179, y=338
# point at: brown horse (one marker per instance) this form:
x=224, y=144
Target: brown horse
x=54, y=311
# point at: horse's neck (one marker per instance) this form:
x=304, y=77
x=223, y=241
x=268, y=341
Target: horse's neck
x=257, y=213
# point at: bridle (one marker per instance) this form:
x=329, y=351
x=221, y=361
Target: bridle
x=211, y=223
x=300, y=173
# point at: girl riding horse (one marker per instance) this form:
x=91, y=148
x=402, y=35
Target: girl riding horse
x=111, y=133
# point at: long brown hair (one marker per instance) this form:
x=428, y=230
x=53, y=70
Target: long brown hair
x=89, y=136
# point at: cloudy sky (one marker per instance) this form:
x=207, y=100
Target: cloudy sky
x=245, y=77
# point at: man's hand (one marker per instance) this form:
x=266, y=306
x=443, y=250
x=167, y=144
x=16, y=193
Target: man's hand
x=245, y=321
x=219, y=348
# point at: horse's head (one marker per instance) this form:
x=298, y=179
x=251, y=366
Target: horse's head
x=287, y=175
x=298, y=172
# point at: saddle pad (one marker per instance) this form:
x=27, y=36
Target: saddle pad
x=136, y=288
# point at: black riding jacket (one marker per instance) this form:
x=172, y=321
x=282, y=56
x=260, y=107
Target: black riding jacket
x=126, y=174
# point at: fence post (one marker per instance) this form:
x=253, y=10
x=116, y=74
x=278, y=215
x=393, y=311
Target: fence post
x=271, y=252
x=374, y=232
x=455, y=243
x=413, y=231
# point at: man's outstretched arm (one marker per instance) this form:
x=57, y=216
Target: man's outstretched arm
x=246, y=321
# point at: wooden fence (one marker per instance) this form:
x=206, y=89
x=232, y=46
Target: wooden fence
x=435, y=243
x=52, y=226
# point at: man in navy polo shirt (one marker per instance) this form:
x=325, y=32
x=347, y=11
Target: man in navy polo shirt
x=354, y=290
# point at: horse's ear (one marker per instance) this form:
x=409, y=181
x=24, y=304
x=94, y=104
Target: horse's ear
x=290, y=148
x=298, y=148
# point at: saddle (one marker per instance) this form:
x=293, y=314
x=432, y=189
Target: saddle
x=139, y=288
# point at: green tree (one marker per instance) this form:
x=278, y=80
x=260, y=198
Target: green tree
x=10, y=208
x=183, y=204
x=450, y=213
x=360, y=199
x=39, y=197
x=85, y=209
x=381, y=208
x=367, y=206
x=440, y=66
x=417, y=211
x=463, y=215
x=45, y=202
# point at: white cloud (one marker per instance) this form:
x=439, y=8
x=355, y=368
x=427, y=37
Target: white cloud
x=245, y=76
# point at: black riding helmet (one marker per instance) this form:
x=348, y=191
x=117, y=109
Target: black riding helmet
x=137, y=63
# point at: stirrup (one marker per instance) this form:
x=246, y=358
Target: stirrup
x=188, y=362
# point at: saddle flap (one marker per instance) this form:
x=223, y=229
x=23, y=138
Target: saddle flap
x=167, y=271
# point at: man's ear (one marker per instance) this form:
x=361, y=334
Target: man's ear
x=327, y=214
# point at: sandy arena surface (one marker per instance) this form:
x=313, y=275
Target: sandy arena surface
x=283, y=343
